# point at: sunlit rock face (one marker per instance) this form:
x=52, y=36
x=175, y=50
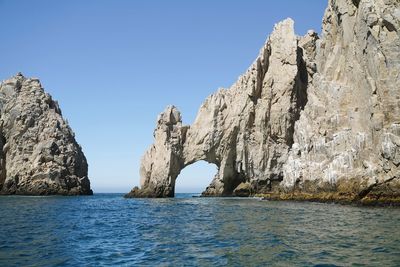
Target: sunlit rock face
x=38, y=151
x=310, y=114
x=348, y=134
x=246, y=130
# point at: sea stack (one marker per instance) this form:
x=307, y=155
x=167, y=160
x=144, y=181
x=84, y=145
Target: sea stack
x=38, y=151
x=314, y=117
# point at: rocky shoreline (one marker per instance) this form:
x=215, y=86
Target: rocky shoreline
x=350, y=191
x=333, y=198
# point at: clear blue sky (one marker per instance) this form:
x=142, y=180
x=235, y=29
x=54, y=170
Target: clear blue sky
x=114, y=65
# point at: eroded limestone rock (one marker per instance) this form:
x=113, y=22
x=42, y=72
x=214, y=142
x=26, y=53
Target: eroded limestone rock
x=348, y=128
x=38, y=151
x=309, y=115
x=246, y=131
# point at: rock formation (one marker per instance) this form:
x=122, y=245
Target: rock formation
x=38, y=151
x=310, y=115
x=347, y=137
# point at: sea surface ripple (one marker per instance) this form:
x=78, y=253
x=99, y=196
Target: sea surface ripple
x=108, y=230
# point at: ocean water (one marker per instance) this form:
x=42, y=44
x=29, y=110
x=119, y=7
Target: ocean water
x=108, y=230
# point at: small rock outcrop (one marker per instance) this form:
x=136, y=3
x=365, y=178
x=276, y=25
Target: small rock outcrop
x=311, y=115
x=38, y=151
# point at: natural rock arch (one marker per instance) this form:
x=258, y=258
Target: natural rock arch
x=195, y=176
x=246, y=130
x=176, y=147
x=310, y=116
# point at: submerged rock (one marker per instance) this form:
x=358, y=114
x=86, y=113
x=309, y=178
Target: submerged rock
x=310, y=115
x=38, y=151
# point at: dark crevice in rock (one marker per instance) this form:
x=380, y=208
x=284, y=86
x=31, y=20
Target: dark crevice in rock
x=263, y=69
x=274, y=183
x=389, y=26
x=54, y=105
x=363, y=193
x=3, y=171
x=231, y=177
x=299, y=96
x=356, y=3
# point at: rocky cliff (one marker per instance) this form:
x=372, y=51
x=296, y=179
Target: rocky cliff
x=311, y=118
x=38, y=151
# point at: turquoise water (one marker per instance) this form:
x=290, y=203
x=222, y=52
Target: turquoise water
x=107, y=230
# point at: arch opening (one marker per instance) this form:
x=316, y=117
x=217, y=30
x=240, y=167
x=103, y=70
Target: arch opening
x=196, y=177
